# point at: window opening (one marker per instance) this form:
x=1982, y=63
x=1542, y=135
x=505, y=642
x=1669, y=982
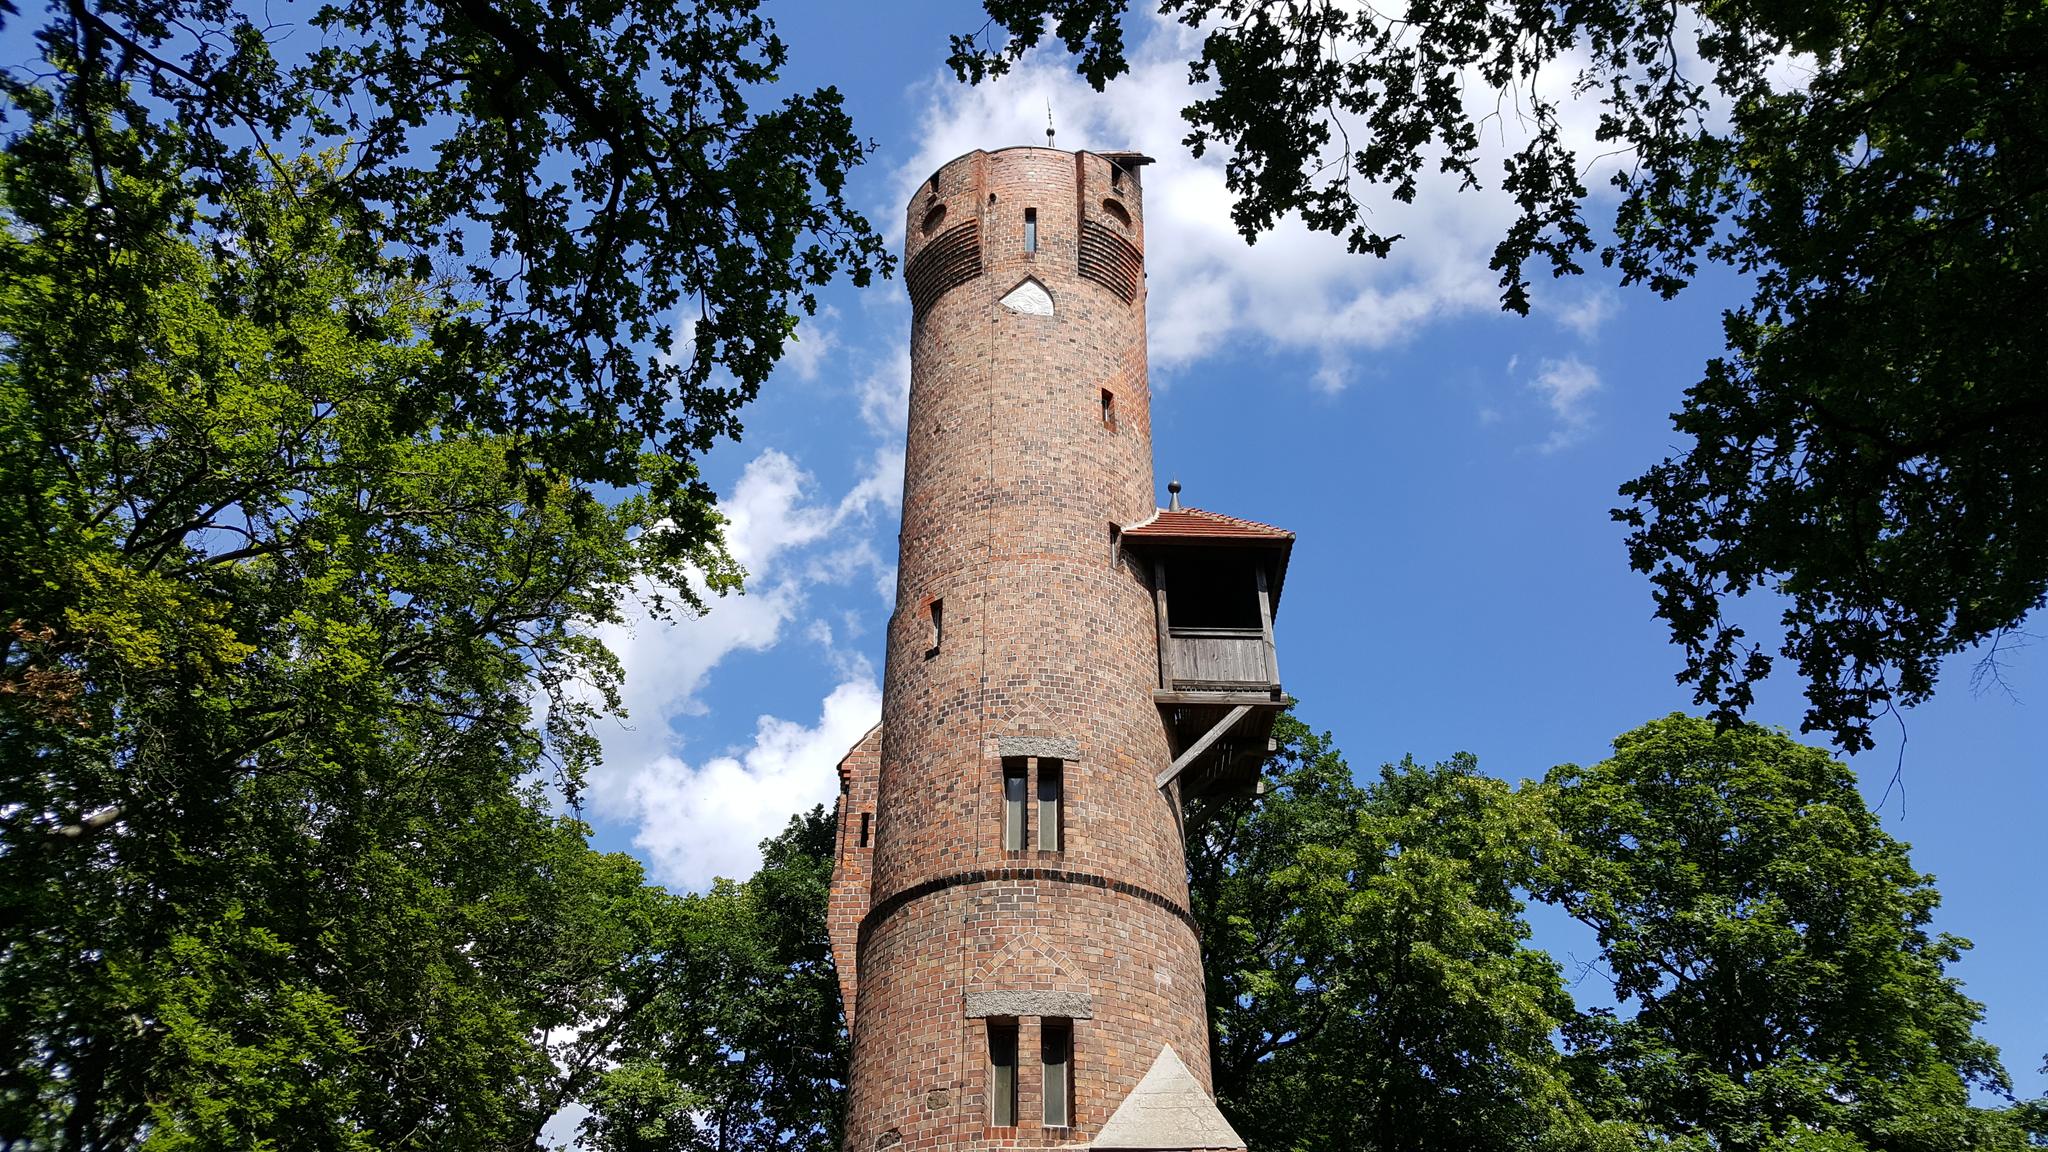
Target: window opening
x=1031, y=229
x=1049, y=781
x=1013, y=805
x=1109, y=409
x=1211, y=591
x=1056, y=1051
x=1002, y=1073
x=866, y=821
x=938, y=625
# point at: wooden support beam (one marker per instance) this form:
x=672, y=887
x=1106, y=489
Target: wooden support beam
x=1195, y=750
x=1165, y=634
x=1266, y=625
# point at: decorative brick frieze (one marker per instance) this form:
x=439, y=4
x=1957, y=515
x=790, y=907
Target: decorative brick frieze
x=951, y=260
x=1109, y=260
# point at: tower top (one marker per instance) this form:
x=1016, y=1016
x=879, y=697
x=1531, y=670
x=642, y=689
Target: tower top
x=1066, y=220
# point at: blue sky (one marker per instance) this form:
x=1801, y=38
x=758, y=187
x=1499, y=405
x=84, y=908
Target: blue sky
x=1457, y=584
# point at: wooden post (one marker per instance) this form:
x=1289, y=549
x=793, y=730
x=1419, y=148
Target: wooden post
x=1165, y=634
x=1266, y=625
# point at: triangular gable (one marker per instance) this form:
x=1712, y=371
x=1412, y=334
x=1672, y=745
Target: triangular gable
x=1168, y=1110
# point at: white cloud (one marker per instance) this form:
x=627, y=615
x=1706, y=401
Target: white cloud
x=1293, y=290
x=698, y=823
x=881, y=485
x=771, y=518
x=885, y=393
x=1585, y=315
x=1567, y=387
x=814, y=340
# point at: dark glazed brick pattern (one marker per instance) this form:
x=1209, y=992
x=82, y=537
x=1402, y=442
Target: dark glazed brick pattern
x=947, y=262
x=1109, y=260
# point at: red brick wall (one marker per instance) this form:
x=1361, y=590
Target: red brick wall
x=849, y=901
x=1011, y=485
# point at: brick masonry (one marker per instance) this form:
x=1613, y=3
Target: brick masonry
x=1046, y=645
x=849, y=898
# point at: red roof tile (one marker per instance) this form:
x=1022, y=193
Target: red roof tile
x=1194, y=523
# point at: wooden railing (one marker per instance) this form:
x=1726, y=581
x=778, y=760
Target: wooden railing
x=1220, y=656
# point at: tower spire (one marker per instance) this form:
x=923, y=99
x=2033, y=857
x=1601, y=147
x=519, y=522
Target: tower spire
x=1048, y=122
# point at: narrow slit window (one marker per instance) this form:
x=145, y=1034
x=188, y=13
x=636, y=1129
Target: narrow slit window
x=1049, y=774
x=1014, y=787
x=1109, y=409
x=1056, y=1059
x=1002, y=1073
x=1031, y=229
x=938, y=625
x=866, y=822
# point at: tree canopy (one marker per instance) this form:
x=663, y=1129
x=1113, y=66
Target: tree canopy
x=1769, y=942
x=742, y=1043
x=278, y=865
x=334, y=417
x=578, y=173
x=1372, y=985
x=1871, y=446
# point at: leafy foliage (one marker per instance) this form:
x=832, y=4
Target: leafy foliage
x=276, y=867
x=1369, y=982
x=742, y=1044
x=1771, y=942
x=315, y=476
x=581, y=171
x=1871, y=446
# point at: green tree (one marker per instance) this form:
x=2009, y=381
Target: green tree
x=743, y=1045
x=277, y=867
x=2032, y=1117
x=1870, y=447
x=315, y=476
x=1370, y=984
x=585, y=172
x=1769, y=949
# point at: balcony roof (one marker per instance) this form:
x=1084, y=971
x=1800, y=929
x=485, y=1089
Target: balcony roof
x=1196, y=525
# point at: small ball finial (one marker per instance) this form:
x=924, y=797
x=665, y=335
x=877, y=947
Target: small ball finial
x=1173, y=495
x=1048, y=123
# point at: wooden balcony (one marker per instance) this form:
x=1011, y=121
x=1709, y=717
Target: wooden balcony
x=1215, y=583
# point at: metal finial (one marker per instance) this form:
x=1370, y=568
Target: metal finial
x=1173, y=495
x=1048, y=123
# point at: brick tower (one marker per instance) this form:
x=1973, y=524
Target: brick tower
x=1009, y=908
